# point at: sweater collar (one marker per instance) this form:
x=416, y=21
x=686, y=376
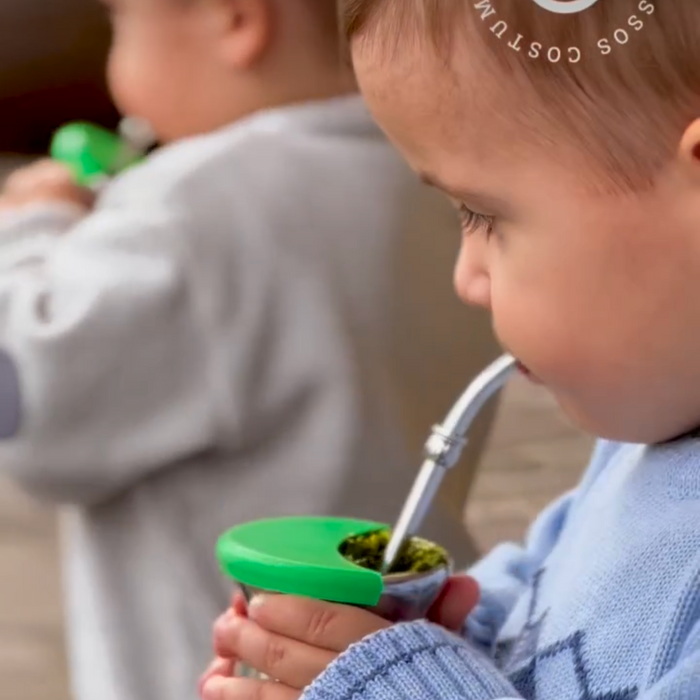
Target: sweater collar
x=344, y=114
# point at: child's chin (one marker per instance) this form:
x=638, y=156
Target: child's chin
x=596, y=424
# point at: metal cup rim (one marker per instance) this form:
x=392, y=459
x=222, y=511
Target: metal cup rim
x=406, y=576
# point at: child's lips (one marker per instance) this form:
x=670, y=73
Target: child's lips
x=528, y=374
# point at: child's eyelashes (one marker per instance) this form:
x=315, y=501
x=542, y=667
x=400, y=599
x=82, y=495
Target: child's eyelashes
x=475, y=223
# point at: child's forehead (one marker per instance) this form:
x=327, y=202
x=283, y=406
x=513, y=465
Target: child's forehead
x=604, y=107
x=430, y=103
x=461, y=129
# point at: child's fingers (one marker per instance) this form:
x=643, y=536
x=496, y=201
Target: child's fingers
x=44, y=172
x=319, y=624
x=6, y=205
x=239, y=604
x=46, y=181
x=220, y=628
x=289, y=661
x=223, y=668
x=459, y=597
x=247, y=689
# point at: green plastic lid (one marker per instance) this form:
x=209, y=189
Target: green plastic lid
x=91, y=152
x=299, y=556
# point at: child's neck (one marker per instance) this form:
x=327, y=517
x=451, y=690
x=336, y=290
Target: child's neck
x=277, y=86
x=307, y=81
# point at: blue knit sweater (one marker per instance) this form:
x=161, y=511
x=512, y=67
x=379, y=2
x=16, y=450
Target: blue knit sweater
x=601, y=603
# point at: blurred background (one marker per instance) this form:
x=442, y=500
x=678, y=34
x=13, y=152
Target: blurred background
x=51, y=58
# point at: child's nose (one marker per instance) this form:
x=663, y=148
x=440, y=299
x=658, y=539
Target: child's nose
x=472, y=280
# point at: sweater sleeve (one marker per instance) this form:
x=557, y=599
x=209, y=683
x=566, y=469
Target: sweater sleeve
x=27, y=234
x=420, y=661
x=508, y=570
x=103, y=365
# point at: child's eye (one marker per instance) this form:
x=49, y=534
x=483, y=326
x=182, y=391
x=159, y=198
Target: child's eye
x=473, y=222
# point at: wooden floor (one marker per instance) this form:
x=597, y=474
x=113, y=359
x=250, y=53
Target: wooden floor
x=533, y=457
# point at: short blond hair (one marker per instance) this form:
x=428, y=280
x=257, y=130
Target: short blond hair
x=622, y=77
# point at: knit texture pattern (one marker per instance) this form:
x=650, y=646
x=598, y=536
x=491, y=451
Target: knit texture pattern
x=601, y=602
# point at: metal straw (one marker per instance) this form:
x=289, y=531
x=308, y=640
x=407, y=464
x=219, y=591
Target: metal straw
x=138, y=138
x=443, y=450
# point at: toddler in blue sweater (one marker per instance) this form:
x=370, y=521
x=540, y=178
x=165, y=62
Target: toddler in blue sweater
x=567, y=132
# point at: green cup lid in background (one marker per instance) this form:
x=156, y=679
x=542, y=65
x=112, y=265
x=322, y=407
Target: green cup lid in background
x=91, y=152
x=299, y=556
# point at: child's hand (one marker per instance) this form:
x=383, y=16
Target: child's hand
x=289, y=639
x=221, y=667
x=44, y=181
x=294, y=639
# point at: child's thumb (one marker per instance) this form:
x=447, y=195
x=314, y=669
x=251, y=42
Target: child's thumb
x=459, y=597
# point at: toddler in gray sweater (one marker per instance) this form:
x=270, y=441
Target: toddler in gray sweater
x=247, y=325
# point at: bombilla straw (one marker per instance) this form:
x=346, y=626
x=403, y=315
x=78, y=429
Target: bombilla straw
x=138, y=138
x=443, y=450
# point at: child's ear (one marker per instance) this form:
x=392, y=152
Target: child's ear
x=689, y=151
x=245, y=30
